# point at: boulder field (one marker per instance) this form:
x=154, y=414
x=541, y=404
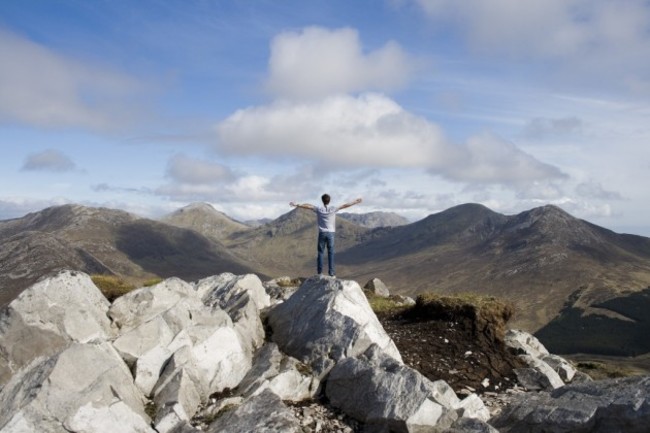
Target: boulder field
x=230, y=353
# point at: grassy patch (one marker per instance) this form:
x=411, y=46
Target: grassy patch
x=386, y=306
x=112, y=286
x=602, y=370
x=290, y=282
x=152, y=282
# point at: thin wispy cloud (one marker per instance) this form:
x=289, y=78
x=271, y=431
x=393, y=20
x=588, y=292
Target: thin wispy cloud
x=51, y=160
x=43, y=88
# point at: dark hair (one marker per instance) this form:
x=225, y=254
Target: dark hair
x=326, y=199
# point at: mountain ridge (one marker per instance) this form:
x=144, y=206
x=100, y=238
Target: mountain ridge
x=539, y=258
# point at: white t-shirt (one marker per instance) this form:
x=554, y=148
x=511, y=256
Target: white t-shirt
x=326, y=218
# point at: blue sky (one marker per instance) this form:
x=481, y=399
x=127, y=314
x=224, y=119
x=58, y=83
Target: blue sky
x=414, y=105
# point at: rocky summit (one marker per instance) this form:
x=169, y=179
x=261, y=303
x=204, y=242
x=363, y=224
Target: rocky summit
x=230, y=353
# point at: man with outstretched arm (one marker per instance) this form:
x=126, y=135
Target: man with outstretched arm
x=326, y=227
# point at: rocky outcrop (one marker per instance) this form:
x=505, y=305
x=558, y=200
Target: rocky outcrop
x=197, y=358
x=47, y=317
x=610, y=406
x=545, y=371
x=387, y=395
x=83, y=388
x=325, y=321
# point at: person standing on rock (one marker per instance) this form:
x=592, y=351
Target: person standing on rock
x=326, y=227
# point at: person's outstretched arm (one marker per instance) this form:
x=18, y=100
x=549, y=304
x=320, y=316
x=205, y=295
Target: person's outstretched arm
x=303, y=206
x=352, y=203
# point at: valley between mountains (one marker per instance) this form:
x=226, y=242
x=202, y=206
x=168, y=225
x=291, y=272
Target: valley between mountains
x=578, y=286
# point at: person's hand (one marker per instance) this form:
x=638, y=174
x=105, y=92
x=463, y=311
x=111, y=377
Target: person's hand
x=357, y=201
x=292, y=204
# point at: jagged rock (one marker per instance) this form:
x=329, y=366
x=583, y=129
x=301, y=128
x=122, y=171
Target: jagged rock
x=377, y=287
x=385, y=394
x=525, y=343
x=48, y=316
x=471, y=425
x=263, y=413
x=561, y=366
x=287, y=377
x=136, y=342
x=608, y=406
x=208, y=353
x=472, y=407
x=171, y=418
x=545, y=371
x=215, y=361
x=66, y=391
x=280, y=289
x=242, y=297
x=540, y=376
x=325, y=321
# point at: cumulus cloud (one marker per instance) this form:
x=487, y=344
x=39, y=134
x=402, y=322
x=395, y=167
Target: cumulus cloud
x=184, y=169
x=48, y=160
x=316, y=62
x=372, y=131
x=45, y=89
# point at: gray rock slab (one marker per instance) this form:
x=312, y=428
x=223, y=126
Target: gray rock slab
x=325, y=321
x=387, y=395
x=608, y=406
x=263, y=413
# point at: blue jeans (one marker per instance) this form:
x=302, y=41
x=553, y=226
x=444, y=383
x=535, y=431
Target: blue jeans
x=325, y=239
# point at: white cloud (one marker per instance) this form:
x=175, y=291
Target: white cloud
x=317, y=62
x=48, y=160
x=589, y=40
x=184, y=169
x=45, y=89
x=372, y=131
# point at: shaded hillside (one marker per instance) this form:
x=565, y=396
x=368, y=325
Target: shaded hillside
x=97, y=240
x=287, y=245
x=536, y=258
x=27, y=256
x=619, y=326
x=206, y=220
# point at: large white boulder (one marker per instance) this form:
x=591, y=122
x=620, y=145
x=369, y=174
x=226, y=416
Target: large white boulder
x=263, y=413
x=328, y=320
x=79, y=389
x=48, y=316
x=387, y=395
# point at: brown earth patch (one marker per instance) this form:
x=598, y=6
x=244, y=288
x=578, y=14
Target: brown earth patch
x=457, y=340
